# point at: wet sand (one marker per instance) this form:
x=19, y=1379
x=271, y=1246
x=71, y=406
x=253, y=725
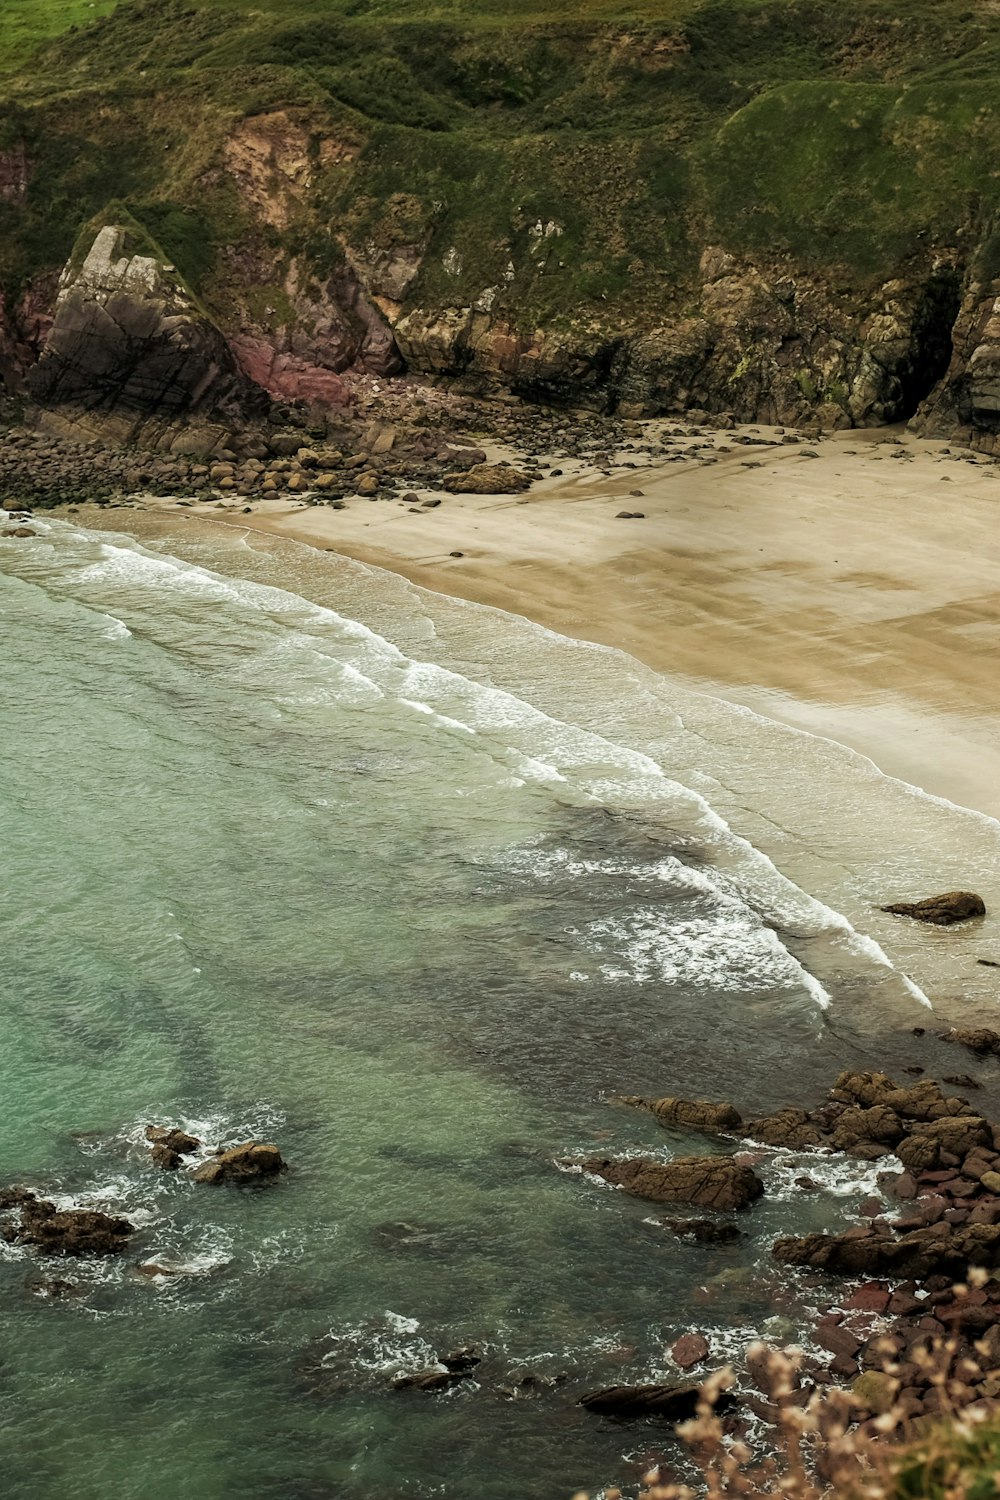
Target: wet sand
x=855, y=594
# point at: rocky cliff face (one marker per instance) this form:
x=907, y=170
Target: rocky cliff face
x=128, y=346
x=780, y=217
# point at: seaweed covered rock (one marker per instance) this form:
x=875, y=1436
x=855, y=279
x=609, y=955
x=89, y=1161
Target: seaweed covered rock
x=709, y=1181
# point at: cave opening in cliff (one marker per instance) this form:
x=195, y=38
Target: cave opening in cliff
x=930, y=342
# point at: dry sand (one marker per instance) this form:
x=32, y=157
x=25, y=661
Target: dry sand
x=855, y=594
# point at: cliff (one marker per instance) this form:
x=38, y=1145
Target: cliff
x=782, y=209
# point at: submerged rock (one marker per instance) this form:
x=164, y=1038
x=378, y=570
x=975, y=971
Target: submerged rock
x=711, y=1181
x=942, y=911
x=70, y=1231
x=461, y=1361
x=249, y=1162
x=433, y=1379
x=675, y=1402
x=705, y=1231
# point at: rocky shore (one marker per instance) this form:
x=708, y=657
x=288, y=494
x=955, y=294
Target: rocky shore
x=909, y=1301
x=391, y=442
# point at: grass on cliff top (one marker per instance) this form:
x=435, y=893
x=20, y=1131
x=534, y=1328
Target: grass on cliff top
x=26, y=24
x=847, y=135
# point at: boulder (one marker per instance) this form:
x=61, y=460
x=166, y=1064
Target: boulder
x=943, y=910
x=172, y=1138
x=790, y=1129
x=675, y=1402
x=461, y=1361
x=71, y=1231
x=709, y=1181
x=959, y=1136
x=689, y=1350
x=695, y=1114
x=249, y=1162
x=488, y=479
x=165, y=1158
x=921, y=1101
x=857, y=1128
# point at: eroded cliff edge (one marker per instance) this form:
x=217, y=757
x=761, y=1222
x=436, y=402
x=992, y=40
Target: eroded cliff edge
x=782, y=211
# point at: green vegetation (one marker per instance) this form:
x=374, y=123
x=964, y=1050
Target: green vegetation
x=844, y=137
x=28, y=23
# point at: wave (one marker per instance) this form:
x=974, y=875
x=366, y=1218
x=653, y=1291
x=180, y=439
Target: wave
x=306, y=656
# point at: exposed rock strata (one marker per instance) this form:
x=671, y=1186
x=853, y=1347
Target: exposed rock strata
x=127, y=342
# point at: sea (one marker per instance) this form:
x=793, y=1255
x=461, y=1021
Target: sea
x=292, y=850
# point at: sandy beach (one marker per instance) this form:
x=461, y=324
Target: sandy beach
x=849, y=586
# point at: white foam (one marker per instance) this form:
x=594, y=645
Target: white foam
x=525, y=741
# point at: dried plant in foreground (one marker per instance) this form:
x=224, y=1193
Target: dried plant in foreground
x=824, y=1441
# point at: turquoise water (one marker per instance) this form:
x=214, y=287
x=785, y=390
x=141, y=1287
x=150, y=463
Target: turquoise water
x=391, y=882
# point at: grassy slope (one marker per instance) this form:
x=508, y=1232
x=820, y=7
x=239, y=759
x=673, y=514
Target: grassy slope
x=846, y=134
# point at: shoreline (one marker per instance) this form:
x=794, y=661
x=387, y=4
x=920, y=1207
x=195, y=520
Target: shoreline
x=856, y=603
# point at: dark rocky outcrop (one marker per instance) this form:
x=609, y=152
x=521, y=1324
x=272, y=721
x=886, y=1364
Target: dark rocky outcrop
x=428, y=1380
x=790, y=1129
x=977, y=1038
x=709, y=1181
x=941, y=911
x=169, y=1146
x=694, y=1114
x=70, y=1231
x=938, y=1249
x=705, y=1231
x=677, y=1403
x=249, y=1162
x=689, y=1350
x=129, y=348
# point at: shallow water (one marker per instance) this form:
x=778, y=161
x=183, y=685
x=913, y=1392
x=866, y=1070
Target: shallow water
x=295, y=851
